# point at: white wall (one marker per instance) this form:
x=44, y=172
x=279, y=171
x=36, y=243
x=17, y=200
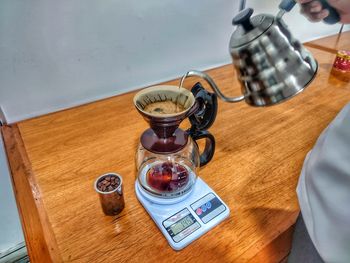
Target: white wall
x=10, y=225
x=57, y=54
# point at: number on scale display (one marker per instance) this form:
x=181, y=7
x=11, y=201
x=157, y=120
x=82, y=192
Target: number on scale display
x=182, y=224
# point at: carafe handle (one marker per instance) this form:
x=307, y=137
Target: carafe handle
x=201, y=120
x=209, y=147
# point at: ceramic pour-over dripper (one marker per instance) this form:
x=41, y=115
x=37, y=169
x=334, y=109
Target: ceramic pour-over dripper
x=167, y=156
x=164, y=136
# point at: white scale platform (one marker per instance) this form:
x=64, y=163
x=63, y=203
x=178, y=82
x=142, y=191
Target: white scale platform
x=187, y=219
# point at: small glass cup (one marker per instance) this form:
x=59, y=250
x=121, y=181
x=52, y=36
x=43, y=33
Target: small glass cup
x=112, y=200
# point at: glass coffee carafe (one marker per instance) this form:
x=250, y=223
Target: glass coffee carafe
x=168, y=157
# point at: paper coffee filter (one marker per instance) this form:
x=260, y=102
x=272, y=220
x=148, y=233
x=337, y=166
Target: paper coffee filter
x=154, y=94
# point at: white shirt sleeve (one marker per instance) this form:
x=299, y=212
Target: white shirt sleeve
x=324, y=190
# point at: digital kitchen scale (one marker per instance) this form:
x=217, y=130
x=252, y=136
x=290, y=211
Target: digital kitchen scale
x=189, y=218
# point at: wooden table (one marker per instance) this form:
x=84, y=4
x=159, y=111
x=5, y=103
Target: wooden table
x=332, y=43
x=55, y=159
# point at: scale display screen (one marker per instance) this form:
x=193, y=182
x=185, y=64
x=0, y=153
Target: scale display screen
x=182, y=224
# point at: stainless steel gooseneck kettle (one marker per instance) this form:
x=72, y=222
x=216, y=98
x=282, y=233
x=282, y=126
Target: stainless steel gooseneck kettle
x=271, y=64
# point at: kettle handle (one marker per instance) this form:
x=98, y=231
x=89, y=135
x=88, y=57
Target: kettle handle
x=213, y=86
x=332, y=18
x=287, y=5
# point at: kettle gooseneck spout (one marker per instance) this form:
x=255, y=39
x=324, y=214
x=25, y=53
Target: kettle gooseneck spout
x=212, y=84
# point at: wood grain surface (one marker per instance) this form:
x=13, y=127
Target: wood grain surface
x=332, y=43
x=259, y=155
x=38, y=232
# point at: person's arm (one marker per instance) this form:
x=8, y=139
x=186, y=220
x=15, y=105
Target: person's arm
x=313, y=10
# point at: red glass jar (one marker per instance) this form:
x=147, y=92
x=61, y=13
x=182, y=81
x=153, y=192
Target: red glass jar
x=342, y=61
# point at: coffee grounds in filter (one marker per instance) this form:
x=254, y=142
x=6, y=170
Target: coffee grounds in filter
x=164, y=107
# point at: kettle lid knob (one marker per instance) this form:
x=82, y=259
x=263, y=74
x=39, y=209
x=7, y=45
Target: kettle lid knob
x=243, y=19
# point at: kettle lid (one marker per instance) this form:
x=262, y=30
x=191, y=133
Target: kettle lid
x=249, y=28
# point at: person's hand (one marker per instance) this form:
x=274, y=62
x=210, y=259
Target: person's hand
x=313, y=10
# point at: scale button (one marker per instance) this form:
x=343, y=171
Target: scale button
x=199, y=211
x=204, y=208
x=208, y=205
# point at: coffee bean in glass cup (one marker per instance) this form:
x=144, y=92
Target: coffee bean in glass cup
x=109, y=187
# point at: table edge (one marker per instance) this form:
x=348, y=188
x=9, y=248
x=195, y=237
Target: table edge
x=38, y=233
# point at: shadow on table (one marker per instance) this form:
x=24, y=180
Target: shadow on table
x=282, y=221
